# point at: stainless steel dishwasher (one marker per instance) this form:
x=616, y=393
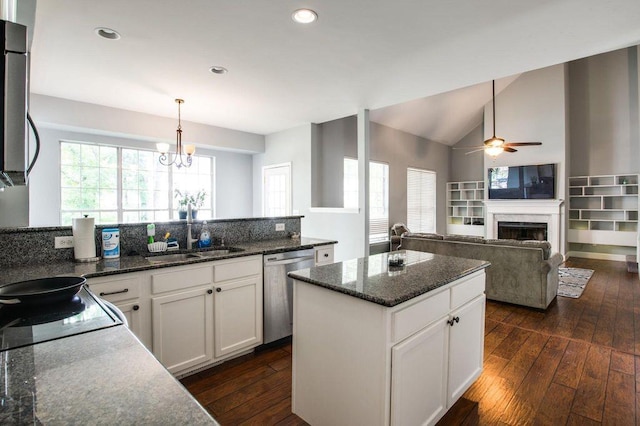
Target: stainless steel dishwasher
x=278, y=291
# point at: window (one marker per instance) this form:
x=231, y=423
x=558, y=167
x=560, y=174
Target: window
x=125, y=185
x=378, y=196
x=421, y=200
x=276, y=190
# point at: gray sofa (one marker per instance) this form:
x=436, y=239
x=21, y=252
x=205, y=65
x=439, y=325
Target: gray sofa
x=521, y=272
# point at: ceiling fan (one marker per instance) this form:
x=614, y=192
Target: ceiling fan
x=495, y=145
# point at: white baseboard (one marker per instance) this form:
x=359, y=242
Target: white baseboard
x=599, y=256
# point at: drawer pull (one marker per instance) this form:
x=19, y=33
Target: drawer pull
x=326, y=255
x=126, y=290
x=209, y=291
x=218, y=289
x=136, y=307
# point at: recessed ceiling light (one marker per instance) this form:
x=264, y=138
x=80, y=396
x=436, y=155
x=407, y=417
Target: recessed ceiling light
x=107, y=33
x=217, y=69
x=304, y=16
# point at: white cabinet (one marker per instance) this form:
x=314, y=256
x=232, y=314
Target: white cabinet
x=324, y=255
x=182, y=306
x=419, y=377
x=425, y=353
x=466, y=347
x=237, y=304
x=127, y=291
x=193, y=315
x=465, y=208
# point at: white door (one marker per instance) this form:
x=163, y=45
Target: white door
x=183, y=328
x=238, y=315
x=419, y=377
x=466, y=347
x=276, y=190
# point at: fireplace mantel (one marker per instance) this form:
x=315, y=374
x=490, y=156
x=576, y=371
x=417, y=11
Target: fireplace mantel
x=543, y=211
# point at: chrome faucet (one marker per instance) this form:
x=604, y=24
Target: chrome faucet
x=190, y=239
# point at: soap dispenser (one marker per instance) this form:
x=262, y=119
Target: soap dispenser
x=205, y=236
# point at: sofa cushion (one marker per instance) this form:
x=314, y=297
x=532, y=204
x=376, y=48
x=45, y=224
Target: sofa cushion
x=544, y=245
x=465, y=239
x=424, y=235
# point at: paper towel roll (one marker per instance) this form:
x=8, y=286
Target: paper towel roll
x=84, y=240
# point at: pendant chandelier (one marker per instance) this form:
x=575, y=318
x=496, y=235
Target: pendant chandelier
x=178, y=158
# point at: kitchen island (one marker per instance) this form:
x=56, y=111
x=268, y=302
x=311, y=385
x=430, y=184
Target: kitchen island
x=377, y=344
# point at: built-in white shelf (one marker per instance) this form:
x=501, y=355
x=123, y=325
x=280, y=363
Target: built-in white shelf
x=465, y=208
x=603, y=209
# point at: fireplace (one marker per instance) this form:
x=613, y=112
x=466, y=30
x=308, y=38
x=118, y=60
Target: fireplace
x=528, y=211
x=522, y=231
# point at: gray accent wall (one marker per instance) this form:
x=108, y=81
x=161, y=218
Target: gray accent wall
x=604, y=128
x=464, y=164
x=338, y=139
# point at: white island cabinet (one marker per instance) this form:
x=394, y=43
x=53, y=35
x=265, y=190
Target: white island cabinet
x=378, y=345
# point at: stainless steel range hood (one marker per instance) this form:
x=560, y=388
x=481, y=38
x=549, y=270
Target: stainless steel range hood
x=13, y=108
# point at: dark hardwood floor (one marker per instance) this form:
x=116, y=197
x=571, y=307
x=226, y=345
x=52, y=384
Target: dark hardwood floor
x=577, y=363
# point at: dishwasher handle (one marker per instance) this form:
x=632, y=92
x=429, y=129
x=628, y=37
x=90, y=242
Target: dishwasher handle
x=268, y=262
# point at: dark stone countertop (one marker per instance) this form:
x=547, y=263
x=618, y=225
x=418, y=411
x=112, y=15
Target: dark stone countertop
x=126, y=264
x=101, y=377
x=372, y=279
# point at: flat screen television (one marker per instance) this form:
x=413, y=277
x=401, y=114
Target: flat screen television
x=522, y=182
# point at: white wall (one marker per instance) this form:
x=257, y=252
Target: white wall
x=532, y=108
x=67, y=114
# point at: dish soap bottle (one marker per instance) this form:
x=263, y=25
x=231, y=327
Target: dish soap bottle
x=205, y=236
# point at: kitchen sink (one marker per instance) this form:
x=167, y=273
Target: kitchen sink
x=183, y=257
x=219, y=251
x=177, y=257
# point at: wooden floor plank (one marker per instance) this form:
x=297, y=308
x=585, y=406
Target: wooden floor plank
x=557, y=403
x=620, y=400
x=570, y=369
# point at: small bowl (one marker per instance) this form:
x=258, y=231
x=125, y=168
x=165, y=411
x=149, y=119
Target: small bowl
x=157, y=247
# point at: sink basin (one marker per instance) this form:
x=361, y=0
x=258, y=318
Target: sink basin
x=182, y=257
x=177, y=257
x=219, y=251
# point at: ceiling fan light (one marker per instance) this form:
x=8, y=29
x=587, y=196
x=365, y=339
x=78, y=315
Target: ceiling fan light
x=494, y=151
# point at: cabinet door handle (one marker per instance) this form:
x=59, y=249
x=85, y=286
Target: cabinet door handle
x=326, y=255
x=136, y=307
x=218, y=289
x=209, y=291
x=453, y=320
x=113, y=292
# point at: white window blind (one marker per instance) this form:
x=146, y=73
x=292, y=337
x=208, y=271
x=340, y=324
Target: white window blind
x=421, y=200
x=378, y=196
x=378, y=202
x=276, y=193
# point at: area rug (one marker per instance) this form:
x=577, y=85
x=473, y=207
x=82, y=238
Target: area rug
x=572, y=281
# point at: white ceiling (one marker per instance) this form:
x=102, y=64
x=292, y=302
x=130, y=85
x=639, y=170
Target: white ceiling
x=359, y=54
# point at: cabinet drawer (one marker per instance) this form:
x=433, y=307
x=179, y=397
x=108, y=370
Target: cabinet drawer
x=237, y=268
x=181, y=279
x=116, y=289
x=415, y=317
x=467, y=290
x=324, y=255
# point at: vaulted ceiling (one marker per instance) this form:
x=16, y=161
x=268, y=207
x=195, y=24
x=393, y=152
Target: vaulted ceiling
x=382, y=55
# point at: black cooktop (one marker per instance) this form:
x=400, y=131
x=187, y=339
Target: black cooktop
x=24, y=326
